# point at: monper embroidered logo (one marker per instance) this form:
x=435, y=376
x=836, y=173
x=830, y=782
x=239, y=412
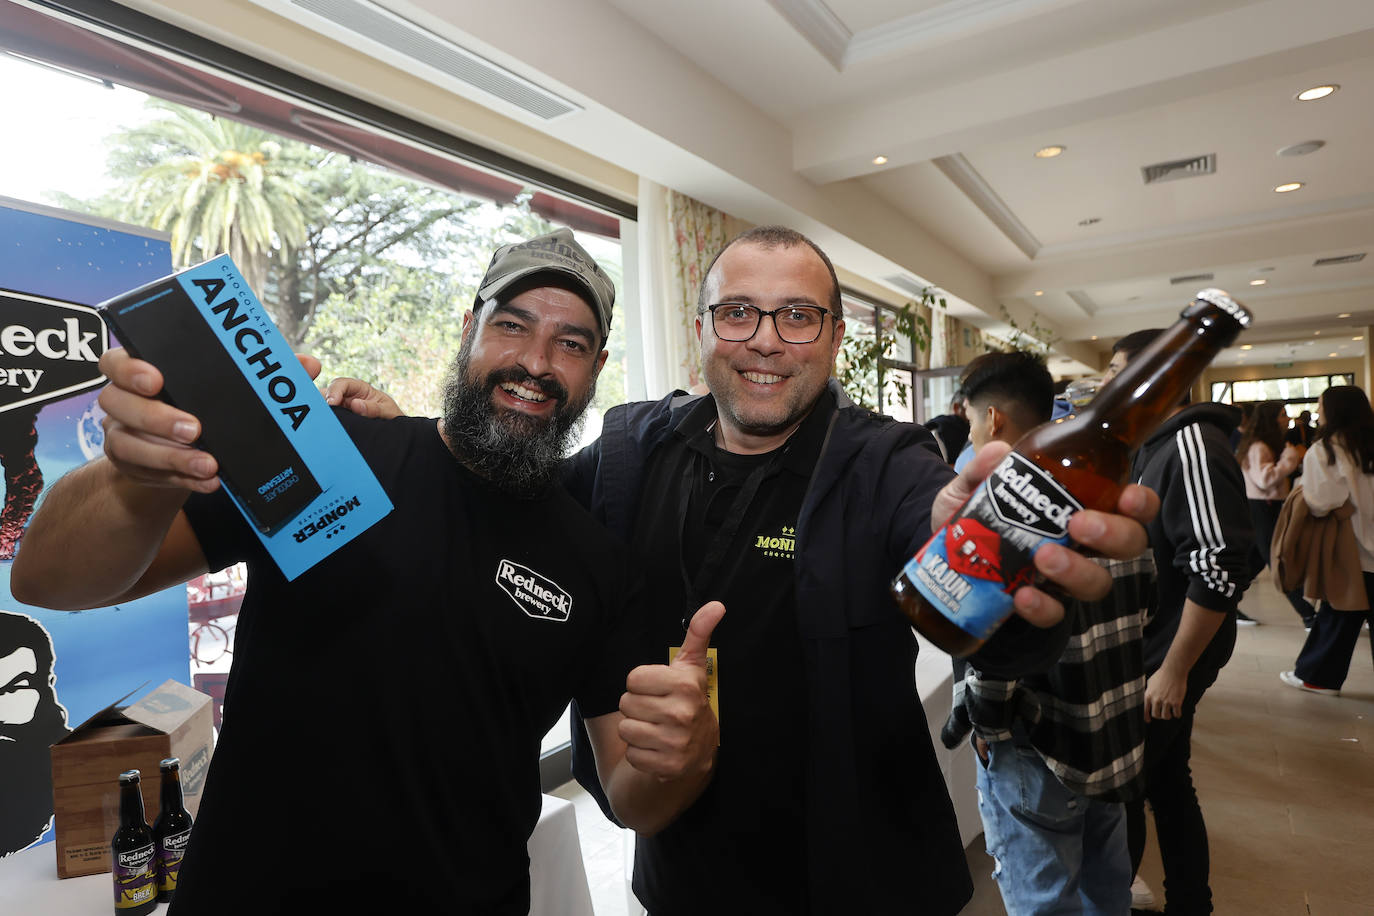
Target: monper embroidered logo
x=778, y=545
x=539, y=597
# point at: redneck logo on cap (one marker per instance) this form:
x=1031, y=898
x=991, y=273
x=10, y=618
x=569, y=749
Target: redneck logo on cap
x=48, y=349
x=537, y=596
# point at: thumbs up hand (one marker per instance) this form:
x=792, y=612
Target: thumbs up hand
x=668, y=727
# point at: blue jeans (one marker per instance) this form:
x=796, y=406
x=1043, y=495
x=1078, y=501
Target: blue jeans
x=1056, y=852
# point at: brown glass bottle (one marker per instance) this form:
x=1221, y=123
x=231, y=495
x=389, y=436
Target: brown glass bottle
x=133, y=860
x=972, y=566
x=172, y=829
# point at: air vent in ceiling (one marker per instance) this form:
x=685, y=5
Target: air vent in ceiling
x=1191, y=278
x=1343, y=259
x=400, y=42
x=1180, y=168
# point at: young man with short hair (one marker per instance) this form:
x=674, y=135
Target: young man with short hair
x=1059, y=750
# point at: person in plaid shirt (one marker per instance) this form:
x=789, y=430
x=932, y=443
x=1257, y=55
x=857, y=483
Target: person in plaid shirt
x=1059, y=752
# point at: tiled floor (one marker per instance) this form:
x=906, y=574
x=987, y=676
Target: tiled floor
x=1286, y=780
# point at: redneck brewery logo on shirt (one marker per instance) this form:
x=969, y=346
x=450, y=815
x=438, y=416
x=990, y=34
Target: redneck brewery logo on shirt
x=538, y=596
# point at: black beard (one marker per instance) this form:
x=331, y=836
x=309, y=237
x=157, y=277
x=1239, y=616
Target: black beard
x=517, y=453
x=26, y=773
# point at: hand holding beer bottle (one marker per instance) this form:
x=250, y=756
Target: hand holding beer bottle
x=962, y=584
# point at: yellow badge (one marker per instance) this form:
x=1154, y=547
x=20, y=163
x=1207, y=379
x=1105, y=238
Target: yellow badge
x=712, y=681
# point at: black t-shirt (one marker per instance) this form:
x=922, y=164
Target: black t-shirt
x=385, y=710
x=732, y=521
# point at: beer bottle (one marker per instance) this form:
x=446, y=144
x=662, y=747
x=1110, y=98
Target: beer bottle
x=958, y=588
x=131, y=852
x=171, y=830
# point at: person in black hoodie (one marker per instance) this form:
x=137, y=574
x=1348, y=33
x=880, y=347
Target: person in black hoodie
x=1201, y=540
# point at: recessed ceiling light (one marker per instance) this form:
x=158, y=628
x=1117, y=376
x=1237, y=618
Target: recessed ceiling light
x=1258, y=282
x=1343, y=315
x=1049, y=152
x=1290, y=186
x=1317, y=92
x=1301, y=149
x=1361, y=337
x=1040, y=292
x=1331, y=354
x=880, y=160
x=1094, y=337
x=1247, y=346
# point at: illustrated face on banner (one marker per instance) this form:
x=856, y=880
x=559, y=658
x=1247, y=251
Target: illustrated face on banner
x=31, y=719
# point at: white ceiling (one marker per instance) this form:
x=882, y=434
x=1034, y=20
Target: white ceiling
x=1156, y=107
x=774, y=110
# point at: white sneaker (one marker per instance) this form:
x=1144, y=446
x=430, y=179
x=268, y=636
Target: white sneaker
x=1141, y=895
x=1292, y=680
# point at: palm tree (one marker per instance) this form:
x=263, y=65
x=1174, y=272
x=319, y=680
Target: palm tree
x=218, y=186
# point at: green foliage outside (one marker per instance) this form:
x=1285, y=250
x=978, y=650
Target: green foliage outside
x=369, y=271
x=866, y=350
x=1035, y=339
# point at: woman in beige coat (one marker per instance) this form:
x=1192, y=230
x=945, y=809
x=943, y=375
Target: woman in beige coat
x=1339, y=469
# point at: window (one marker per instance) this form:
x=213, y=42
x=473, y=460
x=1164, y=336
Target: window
x=878, y=356
x=363, y=232
x=1301, y=392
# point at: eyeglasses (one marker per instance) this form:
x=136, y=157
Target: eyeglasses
x=795, y=324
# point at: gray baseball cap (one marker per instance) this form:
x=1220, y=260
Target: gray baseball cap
x=557, y=253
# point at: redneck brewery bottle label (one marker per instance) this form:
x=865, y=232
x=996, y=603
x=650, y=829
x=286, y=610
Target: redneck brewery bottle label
x=135, y=877
x=170, y=853
x=973, y=565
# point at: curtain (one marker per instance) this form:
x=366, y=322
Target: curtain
x=695, y=233
x=944, y=344
x=656, y=329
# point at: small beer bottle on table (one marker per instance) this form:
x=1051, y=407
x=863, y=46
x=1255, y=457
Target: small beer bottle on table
x=171, y=830
x=132, y=858
x=959, y=587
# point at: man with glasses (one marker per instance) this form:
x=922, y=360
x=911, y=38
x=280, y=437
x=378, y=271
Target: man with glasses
x=778, y=496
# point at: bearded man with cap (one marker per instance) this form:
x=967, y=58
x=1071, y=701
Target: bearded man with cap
x=384, y=713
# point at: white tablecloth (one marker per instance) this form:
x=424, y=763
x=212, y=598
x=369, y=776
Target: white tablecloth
x=558, y=881
x=935, y=683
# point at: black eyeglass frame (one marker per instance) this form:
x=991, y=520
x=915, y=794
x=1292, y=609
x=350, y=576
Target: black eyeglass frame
x=764, y=313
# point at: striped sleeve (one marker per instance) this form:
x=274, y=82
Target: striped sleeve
x=1209, y=520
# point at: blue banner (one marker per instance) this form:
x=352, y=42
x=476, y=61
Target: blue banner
x=59, y=668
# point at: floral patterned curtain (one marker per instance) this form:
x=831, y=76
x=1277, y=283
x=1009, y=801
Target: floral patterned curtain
x=695, y=233
x=943, y=341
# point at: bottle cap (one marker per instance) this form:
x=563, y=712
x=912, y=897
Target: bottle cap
x=128, y=777
x=1222, y=300
x=170, y=763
